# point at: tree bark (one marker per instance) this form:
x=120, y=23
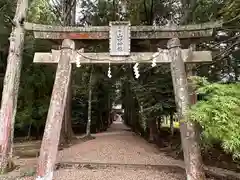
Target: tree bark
x=187, y=10
x=29, y=130
x=191, y=148
x=123, y=9
x=159, y=122
x=236, y=69
x=69, y=18
x=109, y=111
x=88, y=129
x=73, y=12
x=49, y=147
x=171, y=124
x=66, y=131
x=190, y=72
x=153, y=130
x=11, y=85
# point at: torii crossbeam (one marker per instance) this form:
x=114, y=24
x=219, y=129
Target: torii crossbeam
x=137, y=32
x=188, y=56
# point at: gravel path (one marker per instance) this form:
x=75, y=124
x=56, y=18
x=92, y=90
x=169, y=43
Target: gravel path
x=119, y=146
x=116, y=146
x=116, y=174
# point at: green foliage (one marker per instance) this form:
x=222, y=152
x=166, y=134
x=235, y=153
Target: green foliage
x=155, y=91
x=149, y=97
x=102, y=95
x=207, y=10
x=198, y=82
x=231, y=11
x=218, y=114
x=34, y=95
x=40, y=12
x=36, y=80
x=6, y=15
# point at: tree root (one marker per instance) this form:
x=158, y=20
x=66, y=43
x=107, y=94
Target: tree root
x=10, y=167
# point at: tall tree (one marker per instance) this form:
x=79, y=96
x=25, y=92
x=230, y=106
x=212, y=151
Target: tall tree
x=68, y=16
x=11, y=85
x=90, y=86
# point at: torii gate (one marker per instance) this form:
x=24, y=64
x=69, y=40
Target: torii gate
x=119, y=53
x=119, y=35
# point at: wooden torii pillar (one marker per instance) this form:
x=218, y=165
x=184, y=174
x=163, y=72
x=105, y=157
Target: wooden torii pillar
x=67, y=55
x=55, y=115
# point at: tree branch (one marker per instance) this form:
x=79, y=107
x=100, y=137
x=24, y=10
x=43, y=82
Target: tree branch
x=187, y=10
x=145, y=9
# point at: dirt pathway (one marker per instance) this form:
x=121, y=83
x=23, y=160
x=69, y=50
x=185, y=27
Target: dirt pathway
x=117, y=154
x=118, y=145
x=123, y=152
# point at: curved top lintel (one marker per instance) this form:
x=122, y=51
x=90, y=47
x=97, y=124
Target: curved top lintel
x=50, y=28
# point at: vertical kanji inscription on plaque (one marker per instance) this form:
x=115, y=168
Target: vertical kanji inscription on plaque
x=119, y=35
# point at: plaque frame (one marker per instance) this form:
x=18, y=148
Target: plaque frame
x=126, y=47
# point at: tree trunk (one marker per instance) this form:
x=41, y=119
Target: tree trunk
x=49, y=147
x=37, y=133
x=171, y=124
x=109, y=111
x=68, y=8
x=66, y=131
x=159, y=124
x=101, y=122
x=151, y=136
x=190, y=72
x=67, y=134
x=236, y=68
x=88, y=130
x=63, y=139
x=189, y=136
x=153, y=131
x=123, y=10
x=73, y=13
x=29, y=130
x=11, y=85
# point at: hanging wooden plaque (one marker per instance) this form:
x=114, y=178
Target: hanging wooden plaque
x=119, y=38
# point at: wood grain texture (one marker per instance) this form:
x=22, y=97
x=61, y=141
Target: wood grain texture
x=49, y=147
x=189, y=136
x=137, y=32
